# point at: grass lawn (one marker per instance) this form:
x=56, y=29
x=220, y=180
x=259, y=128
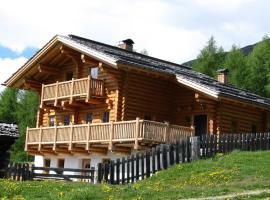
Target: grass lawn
x=236, y=172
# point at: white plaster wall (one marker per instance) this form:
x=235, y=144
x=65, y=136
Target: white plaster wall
x=75, y=161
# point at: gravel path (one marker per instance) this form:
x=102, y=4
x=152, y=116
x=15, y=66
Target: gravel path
x=252, y=192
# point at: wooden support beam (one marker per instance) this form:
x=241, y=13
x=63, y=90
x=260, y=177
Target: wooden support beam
x=39, y=138
x=137, y=132
x=110, y=147
x=70, y=137
x=48, y=70
x=26, y=139
x=87, y=60
x=56, y=93
x=88, y=137
x=71, y=91
x=32, y=84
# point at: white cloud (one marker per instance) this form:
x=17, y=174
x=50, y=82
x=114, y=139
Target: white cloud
x=173, y=30
x=8, y=67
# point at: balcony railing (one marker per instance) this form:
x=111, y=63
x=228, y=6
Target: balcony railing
x=83, y=89
x=134, y=132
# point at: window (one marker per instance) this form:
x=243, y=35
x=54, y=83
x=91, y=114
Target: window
x=69, y=76
x=51, y=120
x=89, y=117
x=148, y=117
x=66, y=119
x=106, y=117
x=61, y=164
x=254, y=128
x=94, y=72
x=233, y=127
x=47, y=163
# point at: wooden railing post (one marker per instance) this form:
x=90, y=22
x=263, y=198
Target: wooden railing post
x=167, y=133
x=70, y=137
x=56, y=93
x=88, y=94
x=88, y=136
x=110, y=147
x=71, y=91
x=26, y=139
x=39, y=139
x=42, y=96
x=55, y=138
x=137, y=132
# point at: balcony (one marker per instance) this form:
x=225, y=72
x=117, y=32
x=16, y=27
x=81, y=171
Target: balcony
x=124, y=135
x=88, y=89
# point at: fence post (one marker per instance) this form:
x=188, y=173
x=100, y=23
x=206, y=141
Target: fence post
x=164, y=157
x=158, y=159
x=132, y=168
x=195, y=148
x=153, y=161
x=123, y=170
x=100, y=173
x=142, y=165
x=106, y=172
x=171, y=154
x=128, y=169
x=118, y=171
x=137, y=167
x=177, y=152
x=112, y=172
x=147, y=160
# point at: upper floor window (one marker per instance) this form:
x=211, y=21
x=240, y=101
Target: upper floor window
x=94, y=72
x=69, y=76
x=66, y=119
x=148, y=117
x=106, y=117
x=234, y=126
x=89, y=117
x=51, y=120
x=253, y=128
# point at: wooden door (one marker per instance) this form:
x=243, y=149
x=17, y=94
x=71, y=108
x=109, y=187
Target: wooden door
x=200, y=123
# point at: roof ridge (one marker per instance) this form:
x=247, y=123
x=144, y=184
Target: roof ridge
x=133, y=52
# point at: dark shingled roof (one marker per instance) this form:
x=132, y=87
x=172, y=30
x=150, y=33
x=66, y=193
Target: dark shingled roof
x=10, y=130
x=144, y=61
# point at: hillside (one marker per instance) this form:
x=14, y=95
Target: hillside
x=236, y=172
x=246, y=50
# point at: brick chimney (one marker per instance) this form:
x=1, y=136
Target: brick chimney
x=223, y=75
x=126, y=44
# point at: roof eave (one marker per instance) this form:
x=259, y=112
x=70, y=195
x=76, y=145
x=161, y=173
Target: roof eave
x=198, y=87
x=92, y=53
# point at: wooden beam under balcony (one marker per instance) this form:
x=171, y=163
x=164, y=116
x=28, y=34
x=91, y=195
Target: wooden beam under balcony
x=48, y=70
x=33, y=84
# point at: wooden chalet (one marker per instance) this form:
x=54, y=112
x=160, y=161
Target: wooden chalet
x=96, y=97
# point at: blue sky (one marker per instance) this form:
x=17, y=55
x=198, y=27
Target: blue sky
x=173, y=30
x=6, y=52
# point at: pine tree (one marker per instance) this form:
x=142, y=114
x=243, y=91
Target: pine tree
x=235, y=61
x=8, y=105
x=210, y=59
x=26, y=116
x=258, y=78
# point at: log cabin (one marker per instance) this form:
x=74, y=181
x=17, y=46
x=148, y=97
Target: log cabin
x=98, y=102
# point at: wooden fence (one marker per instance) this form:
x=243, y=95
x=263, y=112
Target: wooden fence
x=24, y=171
x=143, y=165
x=225, y=143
